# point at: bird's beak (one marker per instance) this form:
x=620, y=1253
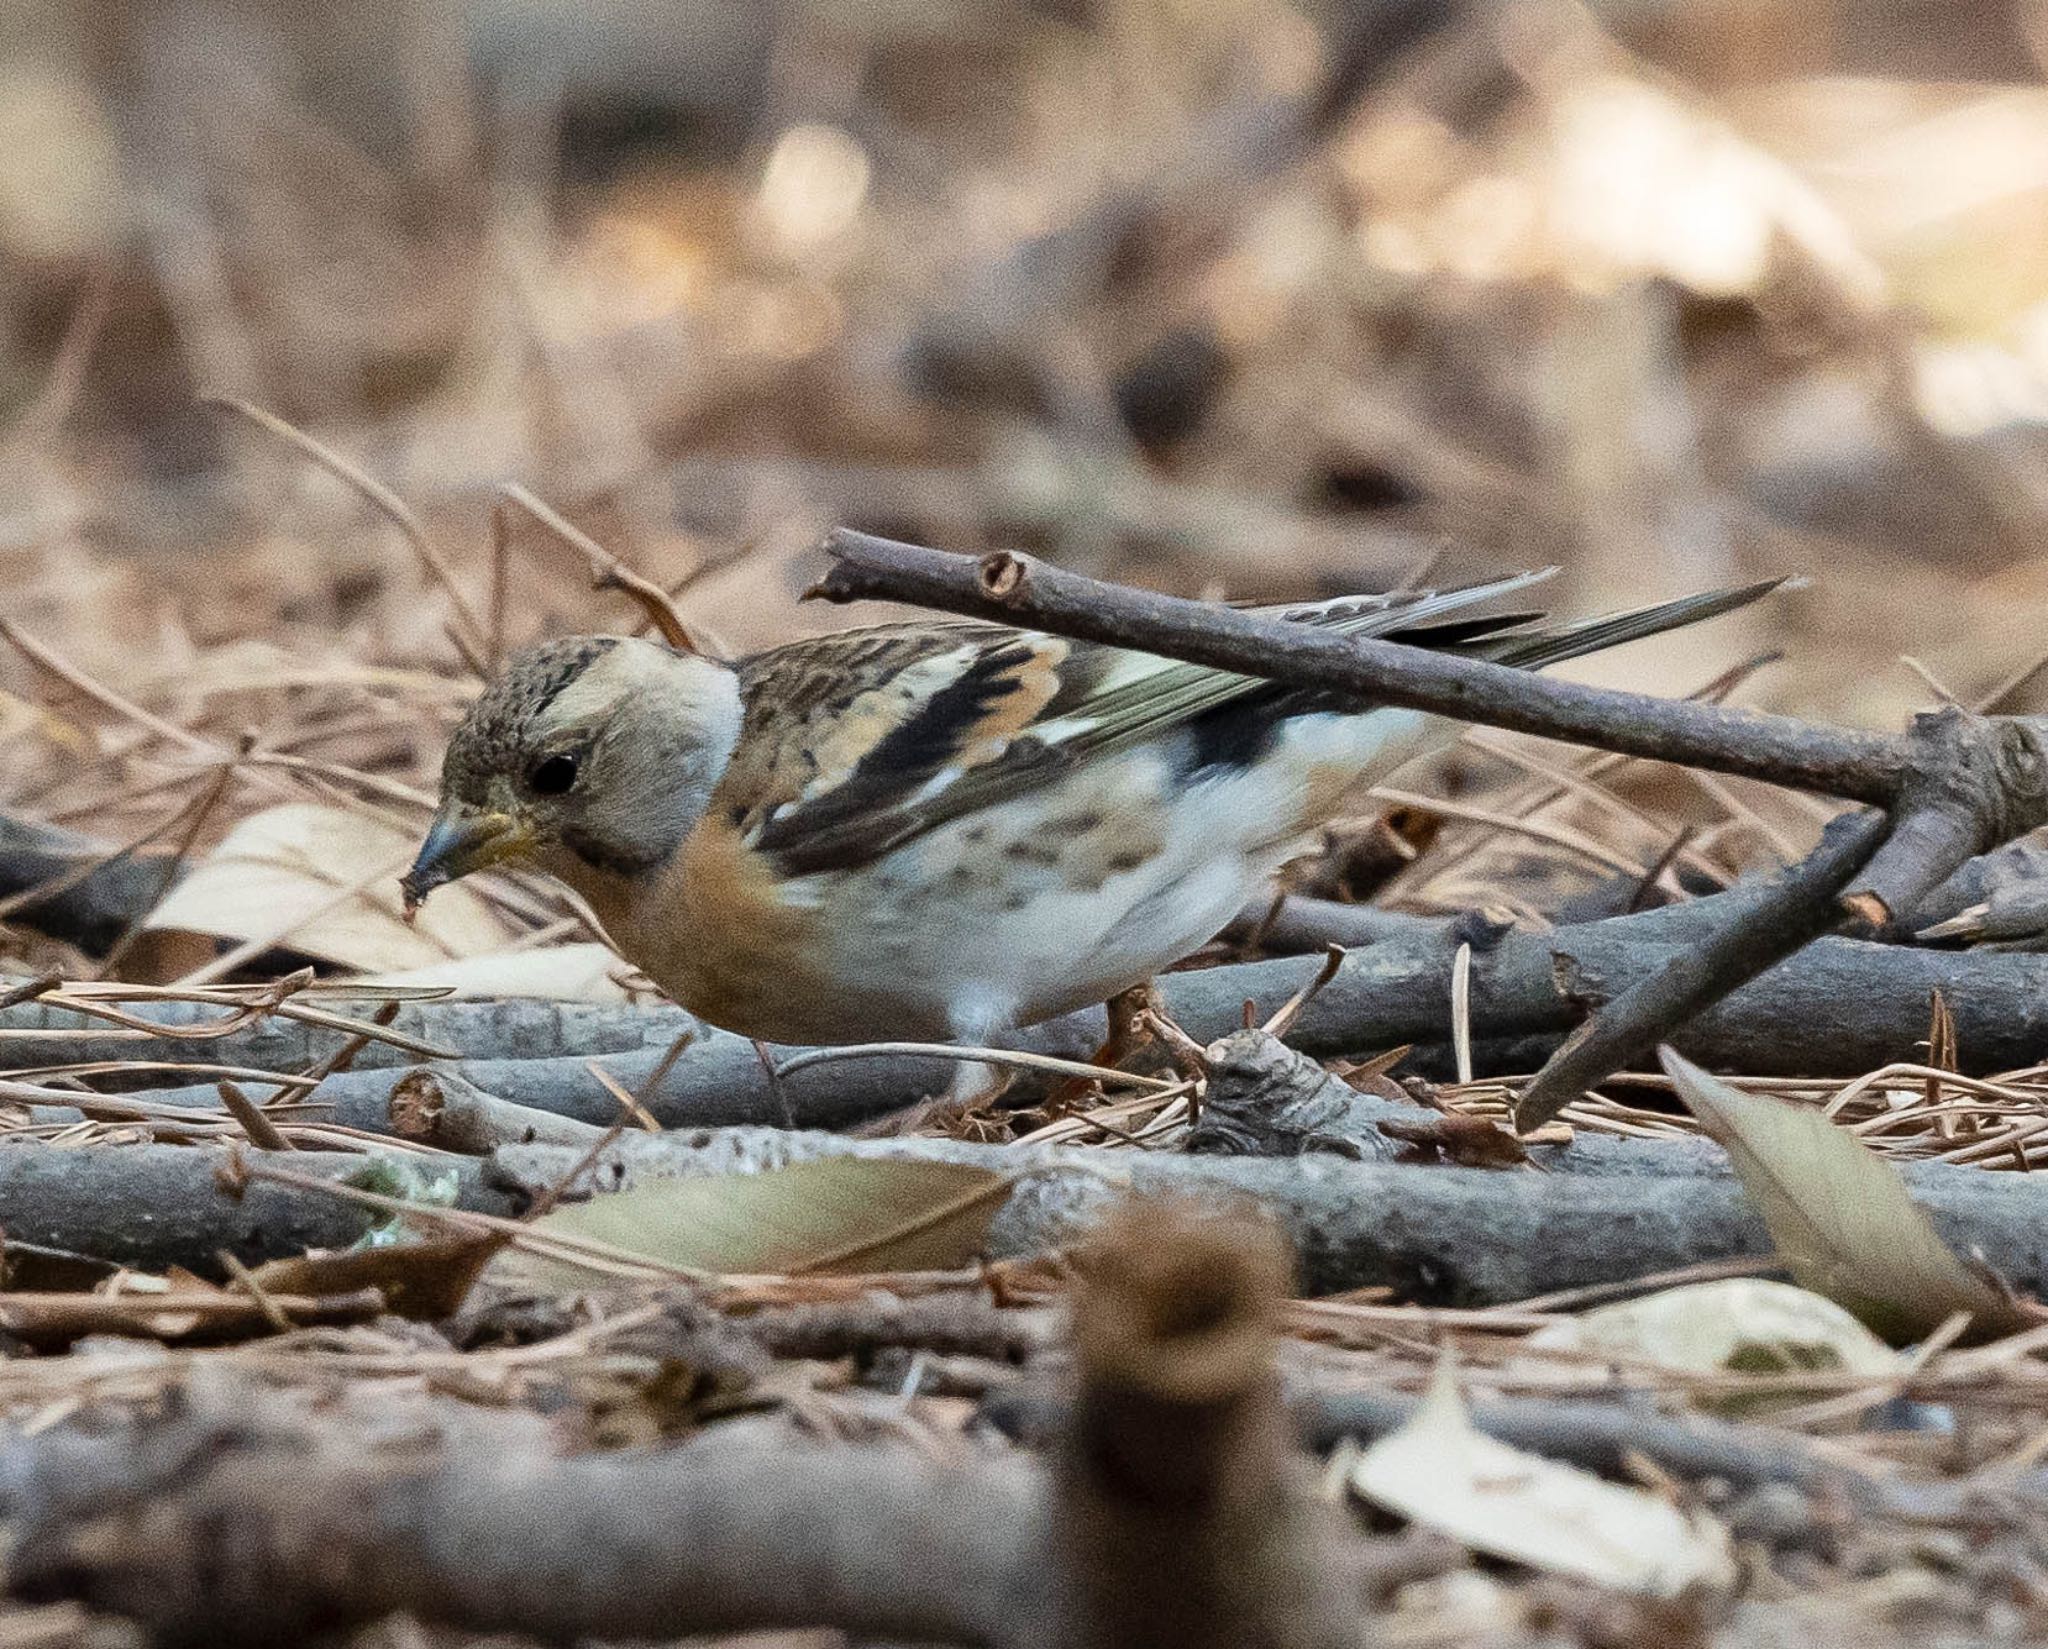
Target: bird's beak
x=458, y=843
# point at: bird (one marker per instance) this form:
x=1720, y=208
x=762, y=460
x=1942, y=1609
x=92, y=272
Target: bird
x=942, y=829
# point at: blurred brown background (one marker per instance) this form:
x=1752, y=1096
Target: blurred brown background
x=1223, y=295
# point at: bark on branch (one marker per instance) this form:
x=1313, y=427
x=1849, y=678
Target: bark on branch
x=240, y=1526
x=151, y=1207
x=1972, y=783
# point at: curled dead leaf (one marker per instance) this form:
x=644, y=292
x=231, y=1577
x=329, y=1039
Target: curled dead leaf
x=1439, y=1469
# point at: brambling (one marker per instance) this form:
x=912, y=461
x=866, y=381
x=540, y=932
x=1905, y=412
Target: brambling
x=937, y=829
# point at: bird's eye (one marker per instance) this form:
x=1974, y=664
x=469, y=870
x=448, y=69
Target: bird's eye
x=553, y=776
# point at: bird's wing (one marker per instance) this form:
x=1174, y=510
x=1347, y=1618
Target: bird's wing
x=855, y=743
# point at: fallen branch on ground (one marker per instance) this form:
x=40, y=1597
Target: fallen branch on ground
x=441, y=1109
x=151, y=1207
x=246, y=1524
x=1840, y=1007
x=37, y=1033
x=1439, y=1236
x=1600, y=1436
x=1019, y=589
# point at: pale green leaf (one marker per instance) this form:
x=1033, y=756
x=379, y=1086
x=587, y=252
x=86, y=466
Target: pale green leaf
x=1840, y=1215
x=836, y=1214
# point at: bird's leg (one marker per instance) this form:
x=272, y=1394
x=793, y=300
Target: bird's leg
x=1130, y=1035
x=1128, y=1031
x=974, y=1087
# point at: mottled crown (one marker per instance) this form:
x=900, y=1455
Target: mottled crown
x=498, y=729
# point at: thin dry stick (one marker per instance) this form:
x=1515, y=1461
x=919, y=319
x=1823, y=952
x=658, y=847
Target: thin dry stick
x=1574, y=1299
x=501, y=568
x=245, y=1279
x=545, y=1202
x=466, y=650
x=94, y=999
x=105, y=696
x=776, y=1089
x=2007, y=693
x=1014, y=1060
x=201, y=810
x=1928, y=679
x=659, y=1075
x=1641, y=898
x=1562, y=777
x=1719, y=792
x=628, y=1102
x=345, y=1055
x=45, y=415
x=144, y=1067
x=1598, y=853
x=30, y=989
x=1531, y=800
x=376, y=784
x=1282, y=1021
x=607, y=571
x=379, y=496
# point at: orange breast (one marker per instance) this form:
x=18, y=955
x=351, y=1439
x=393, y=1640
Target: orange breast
x=712, y=933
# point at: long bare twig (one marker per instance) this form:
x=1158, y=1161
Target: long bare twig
x=1010, y=588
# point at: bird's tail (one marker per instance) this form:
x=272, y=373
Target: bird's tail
x=1534, y=645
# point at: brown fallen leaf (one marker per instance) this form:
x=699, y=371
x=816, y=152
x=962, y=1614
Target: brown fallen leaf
x=1470, y=1142
x=425, y=1280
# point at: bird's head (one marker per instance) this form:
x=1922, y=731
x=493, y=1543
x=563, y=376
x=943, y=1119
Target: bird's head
x=590, y=757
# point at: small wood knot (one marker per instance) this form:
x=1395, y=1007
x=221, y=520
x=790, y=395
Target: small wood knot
x=2021, y=769
x=231, y=1174
x=1002, y=575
